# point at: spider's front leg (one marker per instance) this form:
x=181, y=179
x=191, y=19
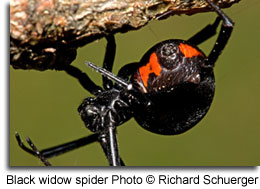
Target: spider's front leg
x=54, y=151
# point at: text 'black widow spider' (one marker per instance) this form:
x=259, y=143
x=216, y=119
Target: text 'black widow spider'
x=168, y=92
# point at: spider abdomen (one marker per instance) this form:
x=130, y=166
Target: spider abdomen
x=178, y=111
x=167, y=64
x=173, y=76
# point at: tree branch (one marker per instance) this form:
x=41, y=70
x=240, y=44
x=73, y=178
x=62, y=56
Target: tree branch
x=45, y=34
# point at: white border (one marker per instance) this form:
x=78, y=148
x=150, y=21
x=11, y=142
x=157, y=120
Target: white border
x=84, y=172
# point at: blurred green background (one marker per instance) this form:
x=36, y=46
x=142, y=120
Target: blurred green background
x=43, y=105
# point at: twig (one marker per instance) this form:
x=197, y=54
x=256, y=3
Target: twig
x=43, y=31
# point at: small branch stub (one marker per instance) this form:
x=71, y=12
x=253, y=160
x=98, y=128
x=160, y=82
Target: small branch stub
x=45, y=34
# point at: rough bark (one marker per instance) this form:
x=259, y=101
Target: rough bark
x=45, y=34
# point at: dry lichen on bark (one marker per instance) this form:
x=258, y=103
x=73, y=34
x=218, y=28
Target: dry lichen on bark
x=45, y=34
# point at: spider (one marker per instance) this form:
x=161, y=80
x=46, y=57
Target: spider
x=168, y=92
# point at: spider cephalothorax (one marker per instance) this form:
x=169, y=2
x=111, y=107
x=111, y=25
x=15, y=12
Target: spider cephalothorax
x=108, y=106
x=168, y=92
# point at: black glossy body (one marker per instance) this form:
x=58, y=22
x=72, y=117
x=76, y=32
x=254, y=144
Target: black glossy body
x=181, y=95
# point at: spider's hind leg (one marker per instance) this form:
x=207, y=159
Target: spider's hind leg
x=223, y=37
x=206, y=33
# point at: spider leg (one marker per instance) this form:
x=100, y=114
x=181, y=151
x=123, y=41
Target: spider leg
x=108, y=140
x=63, y=148
x=56, y=150
x=223, y=37
x=109, y=60
x=104, y=144
x=206, y=33
x=34, y=151
x=69, y=146
x=110, y=75
x=83, y=79
x=38, y=153
x=113, y=146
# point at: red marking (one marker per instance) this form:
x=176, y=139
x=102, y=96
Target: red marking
x=152, y=66
x=189, y=51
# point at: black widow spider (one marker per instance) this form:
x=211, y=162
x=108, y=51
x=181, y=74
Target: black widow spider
x=168, y=92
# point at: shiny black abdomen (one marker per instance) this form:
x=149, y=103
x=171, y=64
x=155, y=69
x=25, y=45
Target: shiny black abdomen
x=181, y=94
x=176, y=112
